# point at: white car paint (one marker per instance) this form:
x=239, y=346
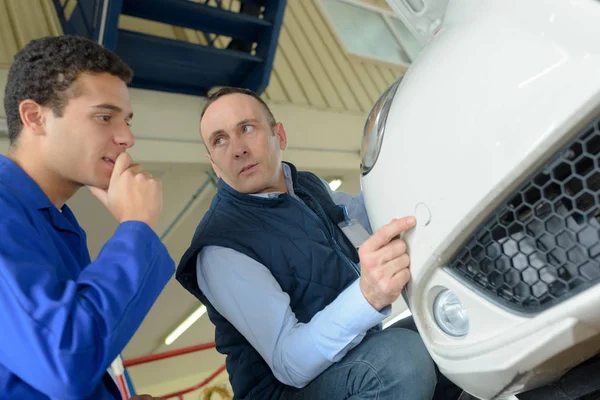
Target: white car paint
x=501, y=87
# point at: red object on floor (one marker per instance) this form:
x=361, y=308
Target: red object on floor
x=167, y=354
x=180, y=393
x=122, y=386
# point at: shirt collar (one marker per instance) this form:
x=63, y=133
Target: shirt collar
x=14, y=177
x=289, y=184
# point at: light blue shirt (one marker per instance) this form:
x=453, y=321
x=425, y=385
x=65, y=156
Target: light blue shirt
x=245, y=292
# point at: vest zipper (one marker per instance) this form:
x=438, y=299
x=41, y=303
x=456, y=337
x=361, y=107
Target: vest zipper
x=330, y=237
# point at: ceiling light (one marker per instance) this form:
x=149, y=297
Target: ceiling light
x=335, y=184
x=189, y=321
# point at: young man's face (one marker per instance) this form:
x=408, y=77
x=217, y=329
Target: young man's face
x=245, y=151
x=82, y=145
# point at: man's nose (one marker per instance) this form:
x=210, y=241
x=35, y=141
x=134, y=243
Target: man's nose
x=240, y=153
x=124, y=137
x=239, y=149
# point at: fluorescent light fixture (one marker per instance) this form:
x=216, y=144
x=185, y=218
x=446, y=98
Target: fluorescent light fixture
x=399, y=317
x=189, y=321
x=335, y=184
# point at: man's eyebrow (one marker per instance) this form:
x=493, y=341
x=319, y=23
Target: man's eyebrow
x=215, y=133
x=111, y=107
x=241, y=123
x=247, y=121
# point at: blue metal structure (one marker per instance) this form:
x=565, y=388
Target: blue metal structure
x=180, y=67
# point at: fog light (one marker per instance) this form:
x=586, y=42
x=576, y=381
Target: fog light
x=450, y=314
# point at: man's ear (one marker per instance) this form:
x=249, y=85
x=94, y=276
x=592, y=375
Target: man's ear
x=32, y=116
x=214, y=166
x=279, y=131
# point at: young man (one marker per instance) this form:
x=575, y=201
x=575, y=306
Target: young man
x=297, y=308
x=64, y=318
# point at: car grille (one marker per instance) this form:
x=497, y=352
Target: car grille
x=541, y=246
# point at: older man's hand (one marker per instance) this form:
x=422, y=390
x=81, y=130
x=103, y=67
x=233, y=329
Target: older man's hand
x=384, y=263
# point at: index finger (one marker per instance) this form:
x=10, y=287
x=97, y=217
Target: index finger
x=386, y=233
x=136, y=168
x=122, y=162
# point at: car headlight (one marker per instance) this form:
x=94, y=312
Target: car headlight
x=450, y=314
x=375, y=128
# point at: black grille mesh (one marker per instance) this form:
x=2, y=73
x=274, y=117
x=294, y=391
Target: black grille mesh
x=541, y=246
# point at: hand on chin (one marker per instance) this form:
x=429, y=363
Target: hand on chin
x=100, y=183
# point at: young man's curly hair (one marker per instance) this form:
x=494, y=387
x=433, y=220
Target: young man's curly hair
x=45, y=69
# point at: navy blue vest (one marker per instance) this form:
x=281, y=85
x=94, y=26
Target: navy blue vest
x=300, y=244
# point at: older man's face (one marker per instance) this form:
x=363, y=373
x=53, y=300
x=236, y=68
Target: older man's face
x=244, y=149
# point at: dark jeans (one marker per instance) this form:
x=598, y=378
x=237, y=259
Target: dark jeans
x=445, y=389
x=391, y=364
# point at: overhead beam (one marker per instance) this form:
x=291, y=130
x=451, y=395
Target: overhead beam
x=166, y=127
x=168, y=151
x=163, y=151
x=161, y=115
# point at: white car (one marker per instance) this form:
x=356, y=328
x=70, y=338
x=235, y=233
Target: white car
x=492, y=139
